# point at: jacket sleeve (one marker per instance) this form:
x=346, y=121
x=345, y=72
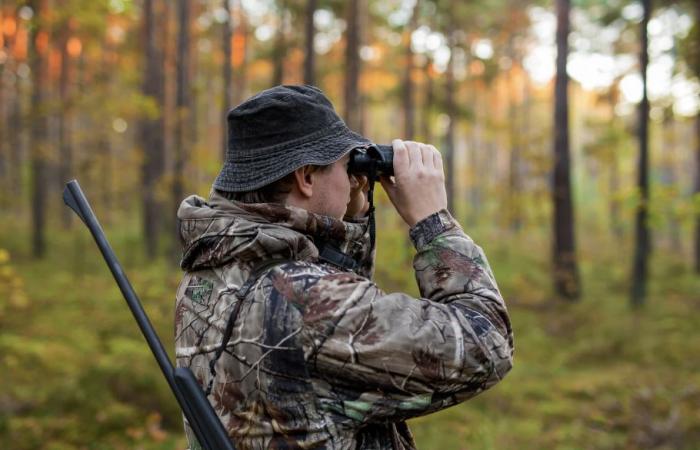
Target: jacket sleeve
x=386, y=356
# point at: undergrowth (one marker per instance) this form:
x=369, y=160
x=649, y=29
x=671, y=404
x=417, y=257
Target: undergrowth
x=76, y=373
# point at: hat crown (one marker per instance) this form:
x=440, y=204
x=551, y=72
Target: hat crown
x=279, y=130
x=277, y=115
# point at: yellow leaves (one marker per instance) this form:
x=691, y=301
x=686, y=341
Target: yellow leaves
x=11, y=285
x=378, y=81
x=19, y=300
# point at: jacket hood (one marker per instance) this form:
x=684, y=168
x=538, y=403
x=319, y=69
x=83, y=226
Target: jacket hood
x=219, y=231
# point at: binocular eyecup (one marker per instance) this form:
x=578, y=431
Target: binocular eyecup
x=374, y=161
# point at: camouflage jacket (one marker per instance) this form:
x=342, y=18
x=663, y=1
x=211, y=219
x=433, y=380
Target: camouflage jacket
x=319, y=356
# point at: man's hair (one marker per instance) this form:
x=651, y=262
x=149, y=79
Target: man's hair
x=275, y=192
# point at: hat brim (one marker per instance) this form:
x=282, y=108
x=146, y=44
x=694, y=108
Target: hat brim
x=267, y=165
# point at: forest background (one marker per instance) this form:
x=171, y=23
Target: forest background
x=571, y=139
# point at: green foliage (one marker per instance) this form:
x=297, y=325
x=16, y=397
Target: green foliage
x=76, y=372
x=590, y=375
x=690, y=48
x=81, y=374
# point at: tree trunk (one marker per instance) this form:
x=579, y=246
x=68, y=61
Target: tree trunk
x=227, y=74
x=152, y=132
x=565, y=269
x=642, y=235
x=241, y=62
x=614, y=206
x=310, y=54
x=515, y=140
x=697, y=193
x=409, y=113
x=4, y=198
x=669, y=179
x=106, y=173
x=182, y=105
x=429, y=101
x=280, y=46
x=65, y=121
x=195, y=10
x=352, y=66
x=526, y=125
x=475, y=183
x=39, y=42
x=15, y=141
x=450, y=108
x=697, y=166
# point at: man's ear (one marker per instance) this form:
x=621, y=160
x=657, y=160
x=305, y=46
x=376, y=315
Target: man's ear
x=304, y=180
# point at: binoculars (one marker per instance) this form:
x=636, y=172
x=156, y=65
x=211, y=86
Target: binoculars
x=373, y=161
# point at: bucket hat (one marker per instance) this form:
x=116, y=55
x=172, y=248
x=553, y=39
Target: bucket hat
x=278, y=130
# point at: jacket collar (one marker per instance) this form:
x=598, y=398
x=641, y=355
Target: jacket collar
x=219, y=230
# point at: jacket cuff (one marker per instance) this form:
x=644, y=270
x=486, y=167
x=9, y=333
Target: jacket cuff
x=427, y=229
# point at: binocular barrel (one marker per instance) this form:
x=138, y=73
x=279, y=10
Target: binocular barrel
x=373, y=161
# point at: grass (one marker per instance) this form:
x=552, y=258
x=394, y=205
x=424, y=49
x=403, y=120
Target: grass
x=594, y=374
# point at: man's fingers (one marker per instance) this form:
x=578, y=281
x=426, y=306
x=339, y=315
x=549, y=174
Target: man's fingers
x=437, y=159
x=418, y=189
x=364, y=183
x=358, y=182
x=427, y=156
x=401, y=162
x=414, y=154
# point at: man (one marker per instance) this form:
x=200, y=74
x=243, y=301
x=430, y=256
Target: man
x=277, y=314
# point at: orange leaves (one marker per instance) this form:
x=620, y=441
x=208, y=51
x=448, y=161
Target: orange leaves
x=477, y=68
x=9, y=27
x=74, y=47
x=21, y=40
x=238, y=48
x=42, y=42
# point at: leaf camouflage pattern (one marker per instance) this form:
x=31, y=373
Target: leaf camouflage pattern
x=320, y=357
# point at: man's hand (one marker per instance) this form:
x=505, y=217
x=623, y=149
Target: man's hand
x=418, y=186
x=358, y=204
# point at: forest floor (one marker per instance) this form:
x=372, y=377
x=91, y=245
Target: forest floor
x=76, y=373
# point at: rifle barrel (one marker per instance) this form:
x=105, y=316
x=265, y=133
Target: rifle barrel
x=201, y=416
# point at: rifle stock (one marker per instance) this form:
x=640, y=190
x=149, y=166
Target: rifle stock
x=206, y=425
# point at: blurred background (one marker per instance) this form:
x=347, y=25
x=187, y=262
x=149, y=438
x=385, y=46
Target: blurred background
x=570, y=132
